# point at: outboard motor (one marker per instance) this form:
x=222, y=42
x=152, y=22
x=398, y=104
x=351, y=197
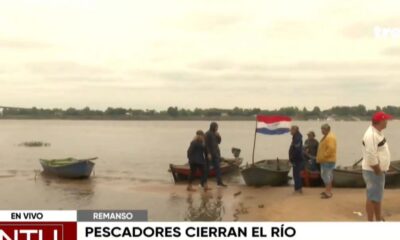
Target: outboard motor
x=236, y=152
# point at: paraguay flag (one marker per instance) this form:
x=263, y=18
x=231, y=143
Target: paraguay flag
x=273, y=125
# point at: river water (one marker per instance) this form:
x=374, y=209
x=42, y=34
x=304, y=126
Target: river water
x=132, y=153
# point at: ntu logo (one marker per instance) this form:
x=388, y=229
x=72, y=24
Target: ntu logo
x=31, y=232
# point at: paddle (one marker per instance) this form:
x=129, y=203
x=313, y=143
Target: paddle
x=356, y=163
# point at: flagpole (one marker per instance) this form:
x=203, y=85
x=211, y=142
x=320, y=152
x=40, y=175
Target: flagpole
x=254, y=144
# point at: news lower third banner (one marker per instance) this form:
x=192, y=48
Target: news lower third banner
x=134, y=224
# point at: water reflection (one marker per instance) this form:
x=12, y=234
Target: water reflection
x=209, y=206
x=77, y=190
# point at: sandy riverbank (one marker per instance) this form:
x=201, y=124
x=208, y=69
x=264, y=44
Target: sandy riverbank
x=280, y=204
x=170, y=202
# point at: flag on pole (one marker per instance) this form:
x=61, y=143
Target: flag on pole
x=273, y=125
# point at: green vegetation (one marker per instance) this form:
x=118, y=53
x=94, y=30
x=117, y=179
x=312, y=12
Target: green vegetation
x=359, y=112
x=34, y=144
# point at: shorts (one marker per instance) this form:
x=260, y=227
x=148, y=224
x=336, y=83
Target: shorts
x=375, y=185
x=327, y=172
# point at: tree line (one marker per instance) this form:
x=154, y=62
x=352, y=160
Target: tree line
x=173, y=112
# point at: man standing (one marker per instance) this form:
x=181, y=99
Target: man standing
x=326, y=157
x=296, y=157
x=213, y=139
x=376, y=161
x=310, y=151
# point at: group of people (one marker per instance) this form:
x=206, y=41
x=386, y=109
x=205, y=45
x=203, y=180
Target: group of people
x=203, y=151
x=322, y=155
x=317, y=155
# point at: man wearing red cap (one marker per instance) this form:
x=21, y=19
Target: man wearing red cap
x=376, y=161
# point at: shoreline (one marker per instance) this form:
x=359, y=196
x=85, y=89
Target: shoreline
x=171, y=202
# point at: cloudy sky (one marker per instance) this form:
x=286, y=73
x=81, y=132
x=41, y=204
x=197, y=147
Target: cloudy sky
x=198, y=53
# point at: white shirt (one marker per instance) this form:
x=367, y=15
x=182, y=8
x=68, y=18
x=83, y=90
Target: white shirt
x=375, y=150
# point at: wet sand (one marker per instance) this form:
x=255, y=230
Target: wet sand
x=169, y=202
x=281, y=204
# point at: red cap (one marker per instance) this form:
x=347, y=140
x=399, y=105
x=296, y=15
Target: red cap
x=380, y=116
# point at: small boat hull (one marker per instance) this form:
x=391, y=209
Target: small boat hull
x=346, y=178
x=351, y=177
x=74, y=170
x=267, y=173
x=395, y=165
x=182, y=172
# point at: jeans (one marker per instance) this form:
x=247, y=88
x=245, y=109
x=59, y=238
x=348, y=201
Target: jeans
x=297, y=168
x=216, y=165
x=202, y=168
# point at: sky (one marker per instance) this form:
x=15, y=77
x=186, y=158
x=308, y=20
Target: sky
x=198, y=53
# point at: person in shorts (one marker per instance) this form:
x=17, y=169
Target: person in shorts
x=326, y=157
x=376, y=161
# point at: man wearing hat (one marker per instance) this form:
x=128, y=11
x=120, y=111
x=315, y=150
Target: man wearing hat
x=310, y=151
x=376, y=161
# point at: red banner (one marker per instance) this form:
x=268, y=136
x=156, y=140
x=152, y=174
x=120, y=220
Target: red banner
x=38, y=231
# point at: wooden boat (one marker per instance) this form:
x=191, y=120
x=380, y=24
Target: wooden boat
x=267, y=172
x=351, y=177
x=69, y=167
x=395, y=165
x=182, y=172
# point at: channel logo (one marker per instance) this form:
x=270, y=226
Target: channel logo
x=38, y=231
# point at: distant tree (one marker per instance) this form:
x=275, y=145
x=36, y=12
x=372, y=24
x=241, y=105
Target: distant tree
x=289, y=111
x=213, y=112
x=316, y=111
x=71, y=112
x=173, y=111
x=115, y=111
x=198, y=112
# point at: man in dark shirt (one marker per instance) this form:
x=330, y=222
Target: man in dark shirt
x=310, y=152
x=196, y=154
x=296, y=157
x=213, y=139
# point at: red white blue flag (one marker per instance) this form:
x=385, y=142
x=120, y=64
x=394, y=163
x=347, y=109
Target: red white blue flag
x=273, y=125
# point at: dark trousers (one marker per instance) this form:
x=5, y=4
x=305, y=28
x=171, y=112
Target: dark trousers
x=193, y=169
x=298, y=166
x=217, y=168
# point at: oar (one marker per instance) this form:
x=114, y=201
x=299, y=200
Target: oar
x=356, y=163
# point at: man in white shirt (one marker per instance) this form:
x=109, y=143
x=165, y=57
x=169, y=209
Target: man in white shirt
x=376, y=161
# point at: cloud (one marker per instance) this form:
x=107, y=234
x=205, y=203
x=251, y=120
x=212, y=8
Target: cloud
x=190, y=79
x=213, y=65
x=209, y=21
x=67, y=70
x=23, y=44
x=305, y=66
x=226, y=53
